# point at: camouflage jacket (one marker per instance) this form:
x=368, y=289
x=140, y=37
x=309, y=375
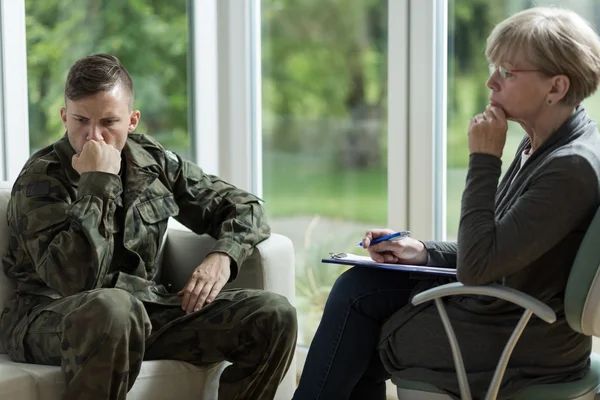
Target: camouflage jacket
x=71, y=233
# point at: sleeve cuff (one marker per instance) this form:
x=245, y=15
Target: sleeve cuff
x=235, y=251
x=100, y=184
x=484, y=159
x=432, y=254
x=439, y=254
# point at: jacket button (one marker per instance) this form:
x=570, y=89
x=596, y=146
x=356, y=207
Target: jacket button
x=27, y=301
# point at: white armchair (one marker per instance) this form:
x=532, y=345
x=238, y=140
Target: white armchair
x=270, y=267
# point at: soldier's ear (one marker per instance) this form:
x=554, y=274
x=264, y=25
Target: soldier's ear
x=134, y=120
x=63, y=116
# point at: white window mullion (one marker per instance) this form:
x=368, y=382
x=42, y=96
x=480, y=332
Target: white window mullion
x=426, y=118
x=256, y=98
x=441, y=95
x=203, y=77
x=398, y=90
x=239, y=117
x=14, y=113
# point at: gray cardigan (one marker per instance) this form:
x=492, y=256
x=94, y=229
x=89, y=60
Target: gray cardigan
x=523, y=234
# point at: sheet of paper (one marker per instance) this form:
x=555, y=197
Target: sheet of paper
x=355, y=257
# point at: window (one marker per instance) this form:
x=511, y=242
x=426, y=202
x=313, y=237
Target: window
x=470, y=22
x=149, y=37
x=324, y=135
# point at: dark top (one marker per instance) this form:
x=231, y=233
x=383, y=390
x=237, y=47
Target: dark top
x=523, y=234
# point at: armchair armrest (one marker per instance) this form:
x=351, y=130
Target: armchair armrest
x=530, y=304
x=269, y=267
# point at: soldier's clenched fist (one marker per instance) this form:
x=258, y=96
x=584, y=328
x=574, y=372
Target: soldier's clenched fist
x=97, y=156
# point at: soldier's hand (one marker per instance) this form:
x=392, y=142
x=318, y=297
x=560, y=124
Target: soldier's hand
x=206, y=282
x=97, y=156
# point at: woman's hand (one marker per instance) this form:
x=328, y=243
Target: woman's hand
x=404, y=251
x=487, y=132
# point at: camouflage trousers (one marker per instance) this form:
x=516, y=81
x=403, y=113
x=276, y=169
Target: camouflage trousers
x=100, y=337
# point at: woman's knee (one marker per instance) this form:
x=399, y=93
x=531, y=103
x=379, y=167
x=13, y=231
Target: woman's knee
x=369, y=290
x=351, y=281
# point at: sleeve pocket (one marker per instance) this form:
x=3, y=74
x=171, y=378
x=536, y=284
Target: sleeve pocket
x=42, y=218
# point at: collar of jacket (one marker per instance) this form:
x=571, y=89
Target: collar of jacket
x=135, y=155
x=575, y=126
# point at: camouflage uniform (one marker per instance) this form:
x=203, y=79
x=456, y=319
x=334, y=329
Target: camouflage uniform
x=84, y=252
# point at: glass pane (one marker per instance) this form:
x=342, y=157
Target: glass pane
x=148, y=36
x=470, y=22
x=324, y=133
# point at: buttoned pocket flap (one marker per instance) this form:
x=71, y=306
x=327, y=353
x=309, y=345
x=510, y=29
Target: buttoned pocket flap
x=159, y=209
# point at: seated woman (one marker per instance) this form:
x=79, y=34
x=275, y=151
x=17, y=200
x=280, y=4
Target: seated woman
x=523, y=233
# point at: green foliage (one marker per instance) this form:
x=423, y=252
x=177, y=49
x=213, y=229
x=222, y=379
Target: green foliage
x=325, y=60
x=324, y=69
x=150, y=39
x=301, y=184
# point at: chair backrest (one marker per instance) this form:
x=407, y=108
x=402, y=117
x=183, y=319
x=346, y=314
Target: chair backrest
x=7, y=287
x=582, y=295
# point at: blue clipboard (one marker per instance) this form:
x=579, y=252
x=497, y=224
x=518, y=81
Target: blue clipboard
x=362, y=261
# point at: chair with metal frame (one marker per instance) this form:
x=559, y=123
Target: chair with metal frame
x=582, y=310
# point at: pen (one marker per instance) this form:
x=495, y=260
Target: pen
x=393, y=236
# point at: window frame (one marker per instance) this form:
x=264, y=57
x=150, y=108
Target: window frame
x=14, y=114
x=427, y=42
x=203, y=104
x=224, y=76
x=417, y=81
x=226, y=134
x=410, y=46
x=398, y=92
x=239, y=80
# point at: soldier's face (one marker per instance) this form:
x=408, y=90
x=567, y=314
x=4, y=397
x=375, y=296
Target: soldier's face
x=104, y=116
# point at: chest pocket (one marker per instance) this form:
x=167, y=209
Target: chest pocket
x=155, y=210
x=154, y=215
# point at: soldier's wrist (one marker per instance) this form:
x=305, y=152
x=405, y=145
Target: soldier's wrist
x=99, y=184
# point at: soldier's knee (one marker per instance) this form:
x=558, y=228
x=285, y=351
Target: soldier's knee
x=280, y=312
x=111, y=312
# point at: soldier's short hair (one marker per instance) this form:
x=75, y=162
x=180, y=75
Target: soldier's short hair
x=97, y=73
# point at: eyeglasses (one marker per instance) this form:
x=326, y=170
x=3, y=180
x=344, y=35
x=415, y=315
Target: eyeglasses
x=505, y=73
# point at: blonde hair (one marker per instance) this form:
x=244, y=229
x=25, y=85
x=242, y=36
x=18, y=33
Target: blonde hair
x=557, y=41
